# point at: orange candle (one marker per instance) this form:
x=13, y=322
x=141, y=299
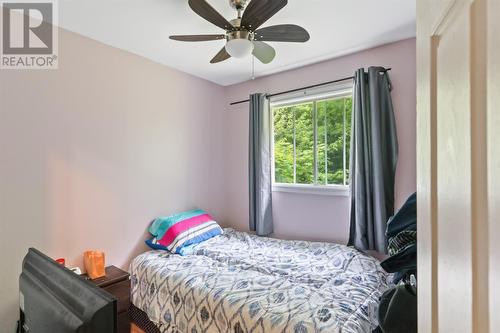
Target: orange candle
x=94, y=264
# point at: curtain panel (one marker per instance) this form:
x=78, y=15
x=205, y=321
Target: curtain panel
x=373, y=160
x=259, y=158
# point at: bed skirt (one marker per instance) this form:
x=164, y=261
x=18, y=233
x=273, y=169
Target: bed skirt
x=141, y=320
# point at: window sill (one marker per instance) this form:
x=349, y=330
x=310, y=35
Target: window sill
x=332, y=190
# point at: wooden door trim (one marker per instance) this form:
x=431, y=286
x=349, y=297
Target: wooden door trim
x=440, y=16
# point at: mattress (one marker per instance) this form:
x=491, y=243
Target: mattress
x=243, y=283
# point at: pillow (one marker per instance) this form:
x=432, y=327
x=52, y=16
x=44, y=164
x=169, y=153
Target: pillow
x=184, y=251
x=175, y=232
x=153, y=243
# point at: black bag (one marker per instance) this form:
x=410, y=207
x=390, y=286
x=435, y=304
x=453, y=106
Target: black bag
x=397, y=311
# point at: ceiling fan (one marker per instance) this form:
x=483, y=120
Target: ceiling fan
x=243, y=36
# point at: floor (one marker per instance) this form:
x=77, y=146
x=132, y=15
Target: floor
x=135, y=329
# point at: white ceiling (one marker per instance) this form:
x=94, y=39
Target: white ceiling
x=337, y=27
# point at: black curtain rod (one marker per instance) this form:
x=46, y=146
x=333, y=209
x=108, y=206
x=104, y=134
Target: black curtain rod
x=304, y=88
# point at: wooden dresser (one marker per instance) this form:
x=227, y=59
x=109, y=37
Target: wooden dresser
x=117, y=283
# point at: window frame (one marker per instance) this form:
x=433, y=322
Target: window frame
x=303, y=97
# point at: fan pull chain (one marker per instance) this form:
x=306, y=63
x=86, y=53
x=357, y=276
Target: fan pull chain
x=253, y=68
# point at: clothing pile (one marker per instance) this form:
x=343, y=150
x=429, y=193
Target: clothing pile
x=402, y=238
x=398, y=306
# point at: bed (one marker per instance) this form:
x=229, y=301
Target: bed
x=241, y=283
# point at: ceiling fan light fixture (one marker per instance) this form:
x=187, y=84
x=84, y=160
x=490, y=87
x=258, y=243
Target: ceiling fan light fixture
x=239, y=48
x=239, y=43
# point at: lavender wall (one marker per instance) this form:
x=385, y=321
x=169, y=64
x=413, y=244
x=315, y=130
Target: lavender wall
x=309, y=216
x=91, y=152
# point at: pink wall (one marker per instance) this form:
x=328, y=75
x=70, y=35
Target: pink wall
x=308, y=216
x=93, y=151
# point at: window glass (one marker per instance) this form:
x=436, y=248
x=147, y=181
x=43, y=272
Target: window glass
x=311, y=142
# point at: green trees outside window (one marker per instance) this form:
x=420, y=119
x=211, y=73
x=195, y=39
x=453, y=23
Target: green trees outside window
x=311, y=142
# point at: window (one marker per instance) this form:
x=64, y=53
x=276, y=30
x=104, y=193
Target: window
x=311, y=141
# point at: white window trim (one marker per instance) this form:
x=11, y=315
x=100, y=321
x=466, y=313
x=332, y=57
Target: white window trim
x=329, y=190
x=338, y=90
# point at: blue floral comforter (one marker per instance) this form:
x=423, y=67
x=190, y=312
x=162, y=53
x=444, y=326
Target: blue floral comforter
x=242, y=283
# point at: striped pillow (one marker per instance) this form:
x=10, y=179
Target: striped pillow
x=177, y=231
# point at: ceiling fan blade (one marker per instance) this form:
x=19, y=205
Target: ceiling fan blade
x=282, y=33
x=221, y=56
x=202, y=8
x=252, y=9
x=259, y=11
x=264, y=52
x=197, y=38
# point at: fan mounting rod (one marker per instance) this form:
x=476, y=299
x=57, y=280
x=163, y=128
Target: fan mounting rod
x=238, y=4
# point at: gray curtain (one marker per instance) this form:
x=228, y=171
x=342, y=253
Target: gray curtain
x=374, y=154
x=259, y=158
